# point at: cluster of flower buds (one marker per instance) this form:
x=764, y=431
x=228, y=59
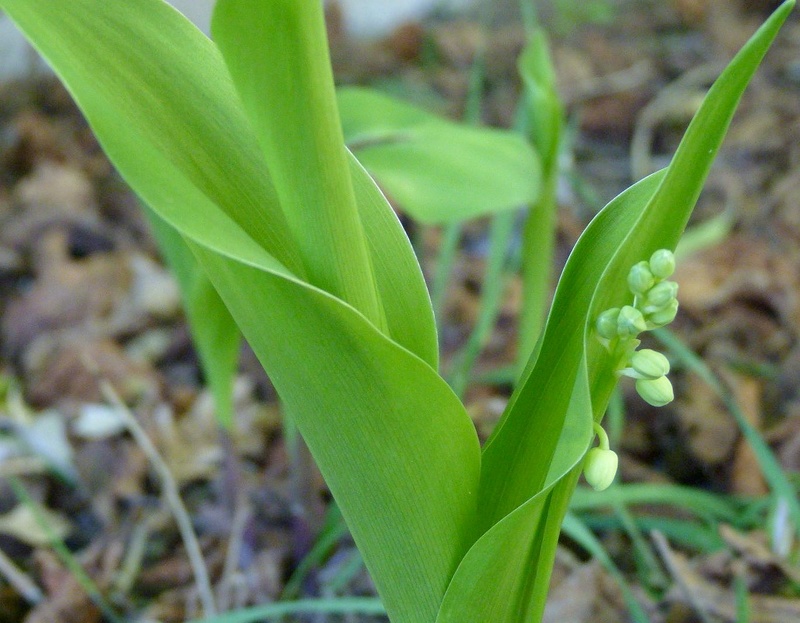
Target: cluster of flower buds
x=655, y=304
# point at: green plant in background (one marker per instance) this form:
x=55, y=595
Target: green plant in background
x=237, y=149
x=543, y=122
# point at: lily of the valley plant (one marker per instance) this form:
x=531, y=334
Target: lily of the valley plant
x=236, y=148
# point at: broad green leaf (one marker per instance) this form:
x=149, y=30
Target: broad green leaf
x=530, y=528
x=401, y=286
x=532, y=425
x=277, y=53
x=304, y=152
x=396, y=446
x=515, y=555
x=437, y=170
x=208, y=145
x=184, y=109
x=527, y=453
x=650, y=215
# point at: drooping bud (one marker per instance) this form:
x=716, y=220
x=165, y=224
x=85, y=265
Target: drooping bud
x=660, y=295
x=600, y=467
x=662, y=263
x=640, y=279
x=657, y=392
x=607, y=323
x=665, y=315
x=630, y=322
x=647, y=364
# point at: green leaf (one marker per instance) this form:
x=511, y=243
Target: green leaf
x=178, y=148
x=543, y=121
x=277, y=53
x=397, y=448
x=279, y=610
x=402, y=464
x=186, y=111
x=526, y=469
x=514, y=556
x=544, y=112
x=401, y=285
x=304, y=152
x=437, y=170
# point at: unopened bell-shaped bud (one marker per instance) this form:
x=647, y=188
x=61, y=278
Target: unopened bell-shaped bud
x=640, y=279
x=665, y=315
x=607, y=323
x=656, y=392
x=660, y=295
x=630, y=322
x=662, y=263
x=600, y=467
x=648, y=364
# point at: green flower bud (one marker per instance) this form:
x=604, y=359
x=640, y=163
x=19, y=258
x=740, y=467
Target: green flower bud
x=662, y=263
x=630, y=322
x=665, y=315
x=647, y=364
x=656, y=392
x=640, y=279
x=660, y=295
x=607, y=323
x=600, y=467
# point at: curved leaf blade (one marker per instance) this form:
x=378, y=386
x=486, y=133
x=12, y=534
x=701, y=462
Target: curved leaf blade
x=403, y=464
x=395, y=446
x=528, y=452
x=437, y=170
x=648, y=216
x=277, y=54
x=157, y=94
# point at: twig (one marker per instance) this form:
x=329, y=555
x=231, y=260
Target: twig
x=171, y=494
x=132, y=562
x=19, y=580
x=673, y=566
x=229, y=570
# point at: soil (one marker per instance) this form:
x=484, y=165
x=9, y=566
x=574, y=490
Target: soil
x=85, y=300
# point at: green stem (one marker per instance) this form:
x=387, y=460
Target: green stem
x=602, y=437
